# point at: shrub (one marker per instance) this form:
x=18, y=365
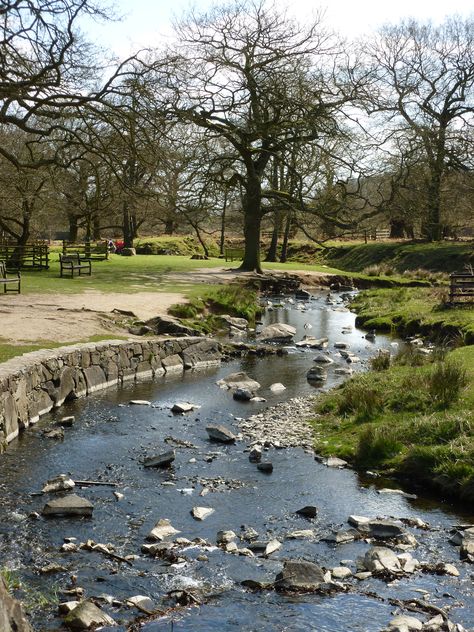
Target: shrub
x=445, y=383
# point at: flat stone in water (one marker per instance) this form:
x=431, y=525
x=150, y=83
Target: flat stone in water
x=265, y=466
x=160, y=460
x=139, y=402
x=71, y=505
x=299, y=576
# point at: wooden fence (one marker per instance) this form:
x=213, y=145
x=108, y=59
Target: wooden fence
x=461, y=288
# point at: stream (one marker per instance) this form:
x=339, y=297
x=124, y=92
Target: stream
x=108, y=442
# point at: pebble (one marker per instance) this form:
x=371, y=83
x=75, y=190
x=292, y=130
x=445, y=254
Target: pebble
x=284, y=424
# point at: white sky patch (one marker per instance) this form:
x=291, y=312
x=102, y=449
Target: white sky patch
x=147, y=23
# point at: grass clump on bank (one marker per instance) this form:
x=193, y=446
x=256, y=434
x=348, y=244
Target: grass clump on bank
x=207, y=303
x=414, y=311
x=413, y=419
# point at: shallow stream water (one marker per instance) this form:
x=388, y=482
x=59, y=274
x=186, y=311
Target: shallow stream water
x=108, y=442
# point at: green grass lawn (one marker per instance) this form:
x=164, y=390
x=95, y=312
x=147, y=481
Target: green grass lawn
x=414, y=421
x=149, y=273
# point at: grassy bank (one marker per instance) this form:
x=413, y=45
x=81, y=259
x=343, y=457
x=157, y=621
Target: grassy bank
x=415, y=311
x=401, y=256
x=414, y=421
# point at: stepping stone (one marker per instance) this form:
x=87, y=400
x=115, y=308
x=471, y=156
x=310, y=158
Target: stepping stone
x=266, y=467
x=139, y=402
x=70, y=505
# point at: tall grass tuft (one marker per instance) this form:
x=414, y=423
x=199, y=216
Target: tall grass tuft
x=446, y=382
x=380, y=362
x=360, y=398
x=376, y=445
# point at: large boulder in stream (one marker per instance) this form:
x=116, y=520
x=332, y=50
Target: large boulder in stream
x=239, y=380
x=300, y=576
x=380, y=559
x=279, y=332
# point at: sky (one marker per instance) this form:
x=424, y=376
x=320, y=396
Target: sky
x=148, y=22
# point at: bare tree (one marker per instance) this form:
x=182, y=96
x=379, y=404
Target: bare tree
x=251, y=76
x=424, y=88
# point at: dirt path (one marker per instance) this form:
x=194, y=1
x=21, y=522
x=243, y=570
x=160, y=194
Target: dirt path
x=72, y=317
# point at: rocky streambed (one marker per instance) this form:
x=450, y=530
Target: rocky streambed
x=249, y=531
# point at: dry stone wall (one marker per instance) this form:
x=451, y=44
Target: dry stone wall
x=33, y=384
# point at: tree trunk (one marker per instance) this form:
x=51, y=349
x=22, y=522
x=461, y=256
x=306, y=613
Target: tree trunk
x=272, y=251
x=222, y=238
x=96, y=227
x=127, y=228
x=432, y=229
x=286, y=238
x=252, y=222
x=73, y=227
x=397, y=228
x=169, y=226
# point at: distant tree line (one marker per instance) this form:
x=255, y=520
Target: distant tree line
x=247, y=120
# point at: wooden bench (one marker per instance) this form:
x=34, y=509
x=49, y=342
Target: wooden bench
x=461, y=288
x=73, y=263
x=87, y=251
x=31, y=255
x=8, y=281
x=234, y=253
